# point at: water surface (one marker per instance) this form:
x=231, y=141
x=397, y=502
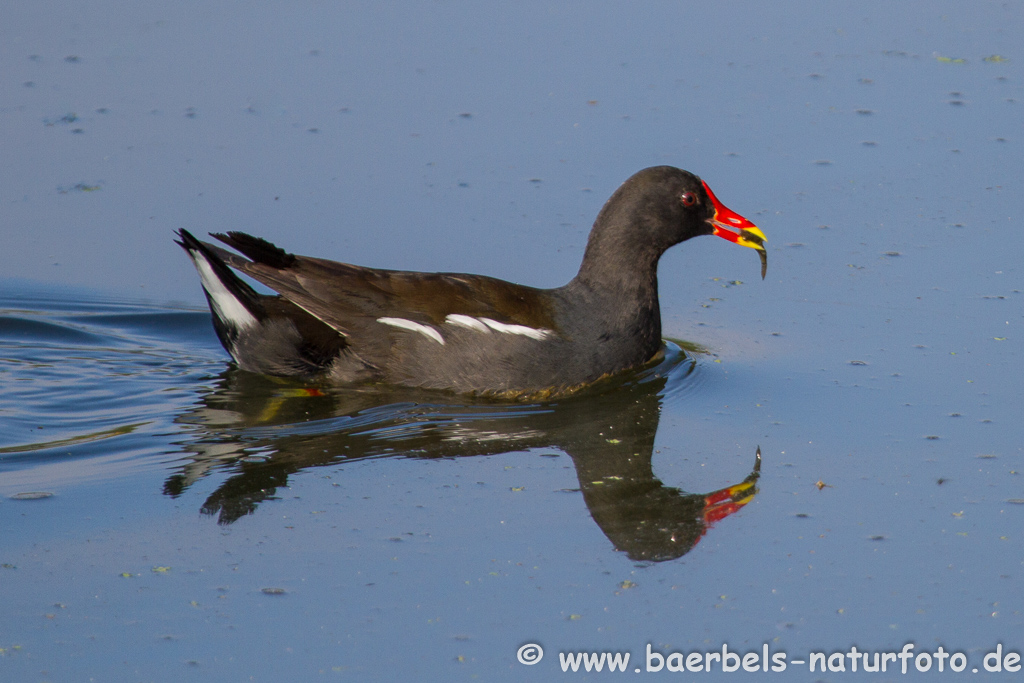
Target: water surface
x=166, y=516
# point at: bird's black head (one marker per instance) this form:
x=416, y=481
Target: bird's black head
x=656, y=209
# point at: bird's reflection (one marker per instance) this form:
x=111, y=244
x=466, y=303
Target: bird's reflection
x=260, y=431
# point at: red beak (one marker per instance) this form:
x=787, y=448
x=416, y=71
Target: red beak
x=733, y=227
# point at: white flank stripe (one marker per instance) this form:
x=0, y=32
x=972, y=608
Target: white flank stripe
x=466, y=321
x=228, y=308
x=531, y=332
x=425, y=330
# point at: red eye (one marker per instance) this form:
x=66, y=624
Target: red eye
x=688, y=199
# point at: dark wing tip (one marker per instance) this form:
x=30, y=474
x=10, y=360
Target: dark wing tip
x=257, y=249
x=221, y=272
x=187, y=240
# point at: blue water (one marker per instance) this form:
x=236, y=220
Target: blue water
x=165, y=516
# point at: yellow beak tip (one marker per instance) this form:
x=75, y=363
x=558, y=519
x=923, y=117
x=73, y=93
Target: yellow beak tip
x=752, y=237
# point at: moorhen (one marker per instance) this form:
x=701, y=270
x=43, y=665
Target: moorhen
x=471, y=334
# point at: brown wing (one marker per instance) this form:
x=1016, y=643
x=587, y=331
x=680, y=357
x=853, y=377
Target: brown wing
x=349, y=298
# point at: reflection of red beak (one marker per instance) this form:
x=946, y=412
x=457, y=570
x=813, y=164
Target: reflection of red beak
x=721, y=504
x=731, y=226
x=724, y=502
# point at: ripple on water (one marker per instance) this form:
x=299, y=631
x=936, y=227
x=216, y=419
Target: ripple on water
x=31, y=495
x=86, y=383
x=89, y=381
